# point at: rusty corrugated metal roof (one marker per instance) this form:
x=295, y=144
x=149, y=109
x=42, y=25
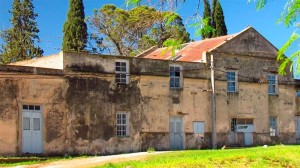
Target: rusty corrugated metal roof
x=192, y=52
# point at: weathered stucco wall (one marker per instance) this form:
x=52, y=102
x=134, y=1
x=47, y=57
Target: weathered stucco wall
x=80, y=103
x=253, y=58
x=8, y=116
x=24, y=85
x=51, y=61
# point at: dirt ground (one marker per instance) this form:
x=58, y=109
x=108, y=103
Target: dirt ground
x=92, y=161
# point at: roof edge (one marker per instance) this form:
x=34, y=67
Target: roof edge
x=149, y=50
x=232, y=37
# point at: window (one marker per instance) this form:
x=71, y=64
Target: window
x=231, y=81
x=240, y=123
x=297, y=93
x=199, y=127
x=273, y=126
x=31, y=107
x=122, y=124
x=233, y=124
x=26, y=123
x=272, y=84
x=245, y=121
x=36, y=124
x=175, y=76
x=122, y=72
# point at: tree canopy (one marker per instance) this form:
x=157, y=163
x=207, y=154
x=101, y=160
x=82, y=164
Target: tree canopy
x=21, y=38
x=129, y=32
x=75, y=28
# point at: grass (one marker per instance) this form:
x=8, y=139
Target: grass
x=275, y=156
x=151, y=150
x=18, y=161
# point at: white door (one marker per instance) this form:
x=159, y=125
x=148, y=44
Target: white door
x=247, y=129
x=248, y=138
x=298, y=128
x=31, y=129
x=176, y=135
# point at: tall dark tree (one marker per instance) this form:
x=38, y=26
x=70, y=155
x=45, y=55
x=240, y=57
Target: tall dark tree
x=218, y=20
x=20, y=39
x=207, y=17
x=75, y=29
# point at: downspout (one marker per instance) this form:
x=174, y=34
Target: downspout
x=213, y=103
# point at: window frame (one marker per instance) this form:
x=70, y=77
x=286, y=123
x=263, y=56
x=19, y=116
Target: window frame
x=235, y=81
x=298, y=93
x=31, y=107
x=233, y=125
x=120, y=132
x=274, y=84
x=120, y=73
x=273, y=124
x=175, y=77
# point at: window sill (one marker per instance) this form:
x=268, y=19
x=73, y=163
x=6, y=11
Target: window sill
x=125, y=136
x=176, y=88
x=236, y=92
x=273, y=94
x=122, y=84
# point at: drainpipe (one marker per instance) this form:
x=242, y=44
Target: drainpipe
x=213, y=103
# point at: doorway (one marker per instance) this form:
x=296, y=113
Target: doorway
x=32, y=129
x=298, y=129
x=176, y=134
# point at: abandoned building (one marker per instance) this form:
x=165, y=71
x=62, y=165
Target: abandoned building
x=223, y=90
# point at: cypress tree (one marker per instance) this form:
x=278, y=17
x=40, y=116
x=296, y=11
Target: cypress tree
x=218, y=20
x=75, y=29
x=21, y=38
x=207, y=15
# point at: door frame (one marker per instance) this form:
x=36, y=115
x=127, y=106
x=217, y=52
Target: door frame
x=181, y=134
x=40, y=111
x=247, y=129
x=297, y=130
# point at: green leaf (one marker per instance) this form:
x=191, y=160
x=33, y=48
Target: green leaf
x=286, y=61
x=132, y=2
x=172, y=45
x=280, y=55
x=261, y=4
x=290, y=13
x=170, y=17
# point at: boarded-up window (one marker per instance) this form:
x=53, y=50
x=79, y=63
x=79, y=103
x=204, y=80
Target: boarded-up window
x=199, y=127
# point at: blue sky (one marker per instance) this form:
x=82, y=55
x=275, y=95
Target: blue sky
x=238, y=15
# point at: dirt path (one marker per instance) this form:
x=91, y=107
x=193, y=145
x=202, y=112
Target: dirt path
x=92, y=161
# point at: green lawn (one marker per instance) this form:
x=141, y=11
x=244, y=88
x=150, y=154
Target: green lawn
x=18, y=161
x=275, y=156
